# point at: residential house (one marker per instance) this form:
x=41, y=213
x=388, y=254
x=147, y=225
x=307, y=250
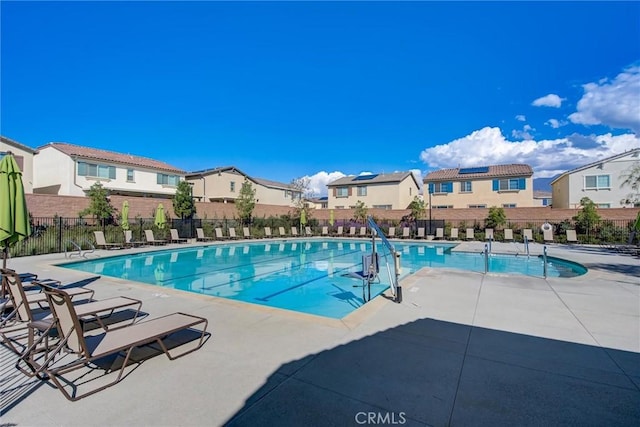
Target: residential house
x=24, y=158
x=317, y=202
x=506, y=186
x=71, y=170
x=223, y=184
x=600, y=181
x=542, y=198
x=382, y=191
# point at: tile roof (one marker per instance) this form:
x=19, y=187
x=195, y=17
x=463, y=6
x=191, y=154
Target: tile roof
x=494, y=171
x=111, y=156
x=232, y=169
x=273, y=184
x=377, y=179
x=16, y=144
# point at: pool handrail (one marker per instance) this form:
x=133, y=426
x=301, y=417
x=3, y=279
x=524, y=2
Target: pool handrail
x=375, y=231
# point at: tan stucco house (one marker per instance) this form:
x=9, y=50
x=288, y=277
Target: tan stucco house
x=381, y=191
x=506, y=186
x=24, y=158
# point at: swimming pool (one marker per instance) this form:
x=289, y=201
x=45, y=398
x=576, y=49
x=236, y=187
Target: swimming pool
x=301, y=275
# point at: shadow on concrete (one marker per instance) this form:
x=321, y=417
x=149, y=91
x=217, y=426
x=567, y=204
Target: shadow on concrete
x=440, y=373
x=631, y=270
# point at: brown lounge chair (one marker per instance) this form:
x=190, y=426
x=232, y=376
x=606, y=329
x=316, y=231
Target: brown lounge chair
x=175, y=237
x=201, y=237
x=151, y=239
x=101, y=242
x=22, y=317
x=84, y=350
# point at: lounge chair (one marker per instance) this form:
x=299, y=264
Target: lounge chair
x=363, y=231
x=83, y=350
x=392, y=232
x=352, y=232
x=528, y=234
x=294, y=232
x=219, y=234
x=325, y=231
x=148, y=234
x=421, y=233
x=232, y=233
x=281, y=232
x=470, y=234
x=246, y=233
x=128, y=240
x=307, y=231
x=572, y=237
x=201, y=237
x=267, y=232
x=101, y=242
x=508, y=235
x=340, y=230
x=22, y=317
x=547, y=236
x=440, y=233
x=454, y=233
x=488, y=234
x=175, y=237
x=406, y=232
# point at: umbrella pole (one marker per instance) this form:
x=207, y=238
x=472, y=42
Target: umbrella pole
x=4, y=292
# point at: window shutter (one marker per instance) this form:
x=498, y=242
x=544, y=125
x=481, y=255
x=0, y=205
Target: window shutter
x=496, y=185
x=522, y=184
x=431, y=188
x=82, y=169
x=350, y=191
x=448, y=187
x=335, y=190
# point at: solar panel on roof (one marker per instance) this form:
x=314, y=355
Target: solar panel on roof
x=364, y=177
x=482, y=169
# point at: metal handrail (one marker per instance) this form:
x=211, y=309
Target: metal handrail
x=395, y=284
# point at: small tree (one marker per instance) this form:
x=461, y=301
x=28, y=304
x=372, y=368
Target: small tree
x=495, y=218
x=183, y=204
x=246, y=202
x=587, y=217
x=360, y=212
x=99, y=206
x=418, y=208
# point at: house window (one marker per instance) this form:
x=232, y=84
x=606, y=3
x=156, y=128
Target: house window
x=342, y=192
x=477, y=206
x=130, y=175
x=465, y=187
x=511, y=184
x=232, y=186
x=441, y=187
x=382, y=207
x=508, y=205
x=443, y=207
x=170, y=180
x=596, y=182
x=362, y=191
x=96, y=171
x=604, y=205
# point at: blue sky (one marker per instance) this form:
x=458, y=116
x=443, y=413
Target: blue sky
x=284, y=90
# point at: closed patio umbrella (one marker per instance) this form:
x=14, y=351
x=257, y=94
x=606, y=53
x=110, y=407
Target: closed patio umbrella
x=161, y=219
x=124, y=222
x=331, y=217
x=303, y=218
x=14, y=218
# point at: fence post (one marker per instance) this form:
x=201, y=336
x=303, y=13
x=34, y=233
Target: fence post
x=59, y=242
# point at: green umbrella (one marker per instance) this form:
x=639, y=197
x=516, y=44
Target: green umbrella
x=303, y=218
x=14, y=218
x=331, y=217
x=124, y=221
x=161, y=220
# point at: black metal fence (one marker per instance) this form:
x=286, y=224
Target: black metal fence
x=57, y=234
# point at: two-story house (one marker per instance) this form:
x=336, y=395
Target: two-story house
x=382, y=191
x=506, y=186
x=70, y=170
x=223, y=184
x=600, y=181
x=24, y=158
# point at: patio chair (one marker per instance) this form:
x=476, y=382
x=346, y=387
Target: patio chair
x=294, y=232
x=488, y=234
x=340, y=230
x=547, y=236
x=440, y=233
x=307, y=231
x=572, y=237
x=391, y=232
x=148, y=234
x=232, y=233
x=128, y=240
x=84, y=350
x=508, y=235
x=22, y=316
x=175, y=237
x=421, y=233
x=352, y=232
x=101, y=242
x=325, y=231
x=246, y=233
x=454, y=233
x=528, y=233
x=470, y=234
x=267, y=232
x=406, y=232
x=219, y=234
x=363, y=231
x=281, y=232
x=201, y=237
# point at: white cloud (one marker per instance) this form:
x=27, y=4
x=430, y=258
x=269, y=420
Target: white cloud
x=548, y=158
x=555, y=123
x=551, y=100
x=524, y=133
x=521, y=118
x=318, y=182
x=612, y=103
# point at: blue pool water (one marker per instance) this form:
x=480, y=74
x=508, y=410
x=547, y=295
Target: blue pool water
x=305, y=276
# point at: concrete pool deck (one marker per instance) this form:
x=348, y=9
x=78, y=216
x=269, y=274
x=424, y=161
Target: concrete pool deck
x=462, y=348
